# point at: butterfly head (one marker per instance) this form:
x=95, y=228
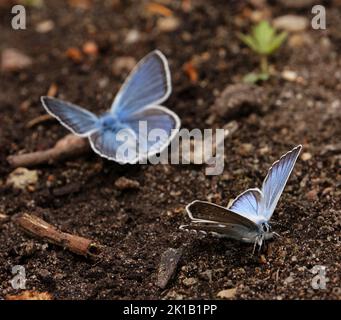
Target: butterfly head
x=265, y=231
x=263, y=234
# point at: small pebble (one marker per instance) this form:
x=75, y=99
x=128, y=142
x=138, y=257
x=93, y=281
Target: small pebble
x=289, y=279
x=168, y=24
x=14, y=60
x=227, y=294
x=312, y=195
x=206, y=275
x=124, y=183
x=289, y=75
x=291, y=23
x=123, y=65
x=45, y=26
x=245, y=149
x=90, y=48
x=3, y=218
x=306, y=156
x=188, y=282
x=74, y=54
x=22, y=178
x=132, y=36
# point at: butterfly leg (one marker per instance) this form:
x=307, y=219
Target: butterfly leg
x=276, y=234
x=259, y=241
x=254, y=247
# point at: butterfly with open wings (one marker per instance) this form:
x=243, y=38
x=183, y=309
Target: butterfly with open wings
x=139, y=99
x=247, y=218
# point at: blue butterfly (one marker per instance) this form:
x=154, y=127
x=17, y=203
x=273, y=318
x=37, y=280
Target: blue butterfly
x=138, y=101
x=247, y=218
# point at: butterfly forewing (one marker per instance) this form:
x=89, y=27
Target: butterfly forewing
x=78, y=120
x=148, y=84
x=209, y=212
x=276, y=180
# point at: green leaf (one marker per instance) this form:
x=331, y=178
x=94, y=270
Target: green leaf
x=277, y=42
x=249, y=41
x=252, y=78
x=263, y=38
x=33, y=3
x=263, y=34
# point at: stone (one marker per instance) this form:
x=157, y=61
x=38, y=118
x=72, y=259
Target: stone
x=22, y=178
x=289, y=75
x=123, y=65
x=168, y=24
x=291, y=23
x=189, y=282
x=168, y=265
x=14, y=60
x=306, y=156
x=45, y=26
x=227, y=293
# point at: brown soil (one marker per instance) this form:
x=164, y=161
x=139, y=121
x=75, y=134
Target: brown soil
x=137, y=226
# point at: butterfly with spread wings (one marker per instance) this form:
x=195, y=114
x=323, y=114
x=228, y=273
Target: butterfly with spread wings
x=139, y=99
x=247, y=218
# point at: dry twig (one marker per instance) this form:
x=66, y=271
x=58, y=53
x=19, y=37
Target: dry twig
x=39, y=120
x=39, y=228
x=67, y=147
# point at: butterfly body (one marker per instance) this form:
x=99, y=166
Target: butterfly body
x=110, y=122
x=247, y=218
x=116, y=134
x=247, y=236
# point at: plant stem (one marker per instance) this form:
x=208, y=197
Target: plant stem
x=264, y=66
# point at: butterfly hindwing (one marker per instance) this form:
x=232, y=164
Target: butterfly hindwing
x=78, y=120
x=155, y=127
x=231, y=231
x=118, y=147
x=248, y=204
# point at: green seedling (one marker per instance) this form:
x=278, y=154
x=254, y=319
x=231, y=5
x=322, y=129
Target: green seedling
x=264, y=41
x=32, y=3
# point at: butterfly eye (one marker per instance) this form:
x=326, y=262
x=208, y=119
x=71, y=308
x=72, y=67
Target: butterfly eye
x=265, y=227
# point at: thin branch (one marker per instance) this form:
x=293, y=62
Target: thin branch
x=39, y=120
x=39, y=228
x=65, y=148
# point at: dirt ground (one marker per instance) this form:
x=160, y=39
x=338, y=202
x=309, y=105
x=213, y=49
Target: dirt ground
x=136, y=226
